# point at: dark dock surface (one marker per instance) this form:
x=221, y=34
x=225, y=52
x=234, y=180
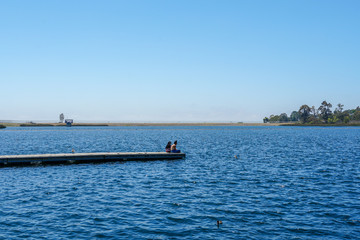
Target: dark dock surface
x=70, y=158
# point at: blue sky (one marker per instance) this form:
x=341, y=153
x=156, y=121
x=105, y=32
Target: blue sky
x=176, y=60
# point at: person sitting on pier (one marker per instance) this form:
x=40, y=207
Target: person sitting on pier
x=168, y=147
x=173, y=148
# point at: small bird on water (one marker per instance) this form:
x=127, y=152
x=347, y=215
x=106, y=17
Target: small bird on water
x=73, y=151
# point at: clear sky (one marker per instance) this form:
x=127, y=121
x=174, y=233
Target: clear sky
x=197, y=60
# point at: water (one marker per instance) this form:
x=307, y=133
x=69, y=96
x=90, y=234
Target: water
x=284, y=183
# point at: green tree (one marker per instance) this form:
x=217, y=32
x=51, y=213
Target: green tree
x=339, y=108
x=325, y=111
x=283, y=117
x=314, y=111
x=314, y=120
x=294, y=116
x=333, y=120
x=355, y=114
x=266, y=120
x=342, y=115
x=304, y=113
x=274, y=118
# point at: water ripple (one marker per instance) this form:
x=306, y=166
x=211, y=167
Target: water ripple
x=261, y=182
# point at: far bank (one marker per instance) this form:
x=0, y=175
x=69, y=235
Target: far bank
x=134, y=124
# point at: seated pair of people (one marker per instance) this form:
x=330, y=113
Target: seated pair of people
x=171, y=148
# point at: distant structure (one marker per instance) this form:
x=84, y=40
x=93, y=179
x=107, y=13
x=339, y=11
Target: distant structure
x=61, y=118
x=69, y=122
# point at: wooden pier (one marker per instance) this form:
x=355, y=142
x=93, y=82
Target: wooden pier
x=72, y=158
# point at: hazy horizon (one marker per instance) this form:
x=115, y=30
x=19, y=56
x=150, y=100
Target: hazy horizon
x=114, y=121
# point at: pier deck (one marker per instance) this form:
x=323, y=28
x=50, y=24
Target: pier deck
x=69, y=158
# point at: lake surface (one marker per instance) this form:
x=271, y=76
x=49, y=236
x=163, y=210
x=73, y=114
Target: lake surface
x=284, y=183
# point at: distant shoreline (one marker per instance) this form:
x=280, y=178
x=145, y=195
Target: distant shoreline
x=174, y=124
x=134, y=124
x=321, y=125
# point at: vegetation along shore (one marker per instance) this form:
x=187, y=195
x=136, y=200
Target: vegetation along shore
x=321, y=116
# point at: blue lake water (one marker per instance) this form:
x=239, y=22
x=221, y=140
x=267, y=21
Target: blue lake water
x=284, y=183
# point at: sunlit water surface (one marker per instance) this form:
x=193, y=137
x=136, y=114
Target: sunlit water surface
x=261, y=182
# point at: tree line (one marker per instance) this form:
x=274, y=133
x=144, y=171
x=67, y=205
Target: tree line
x=321, y=115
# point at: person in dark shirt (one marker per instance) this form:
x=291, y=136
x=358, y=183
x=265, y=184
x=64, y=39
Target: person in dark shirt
x=168, y=147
